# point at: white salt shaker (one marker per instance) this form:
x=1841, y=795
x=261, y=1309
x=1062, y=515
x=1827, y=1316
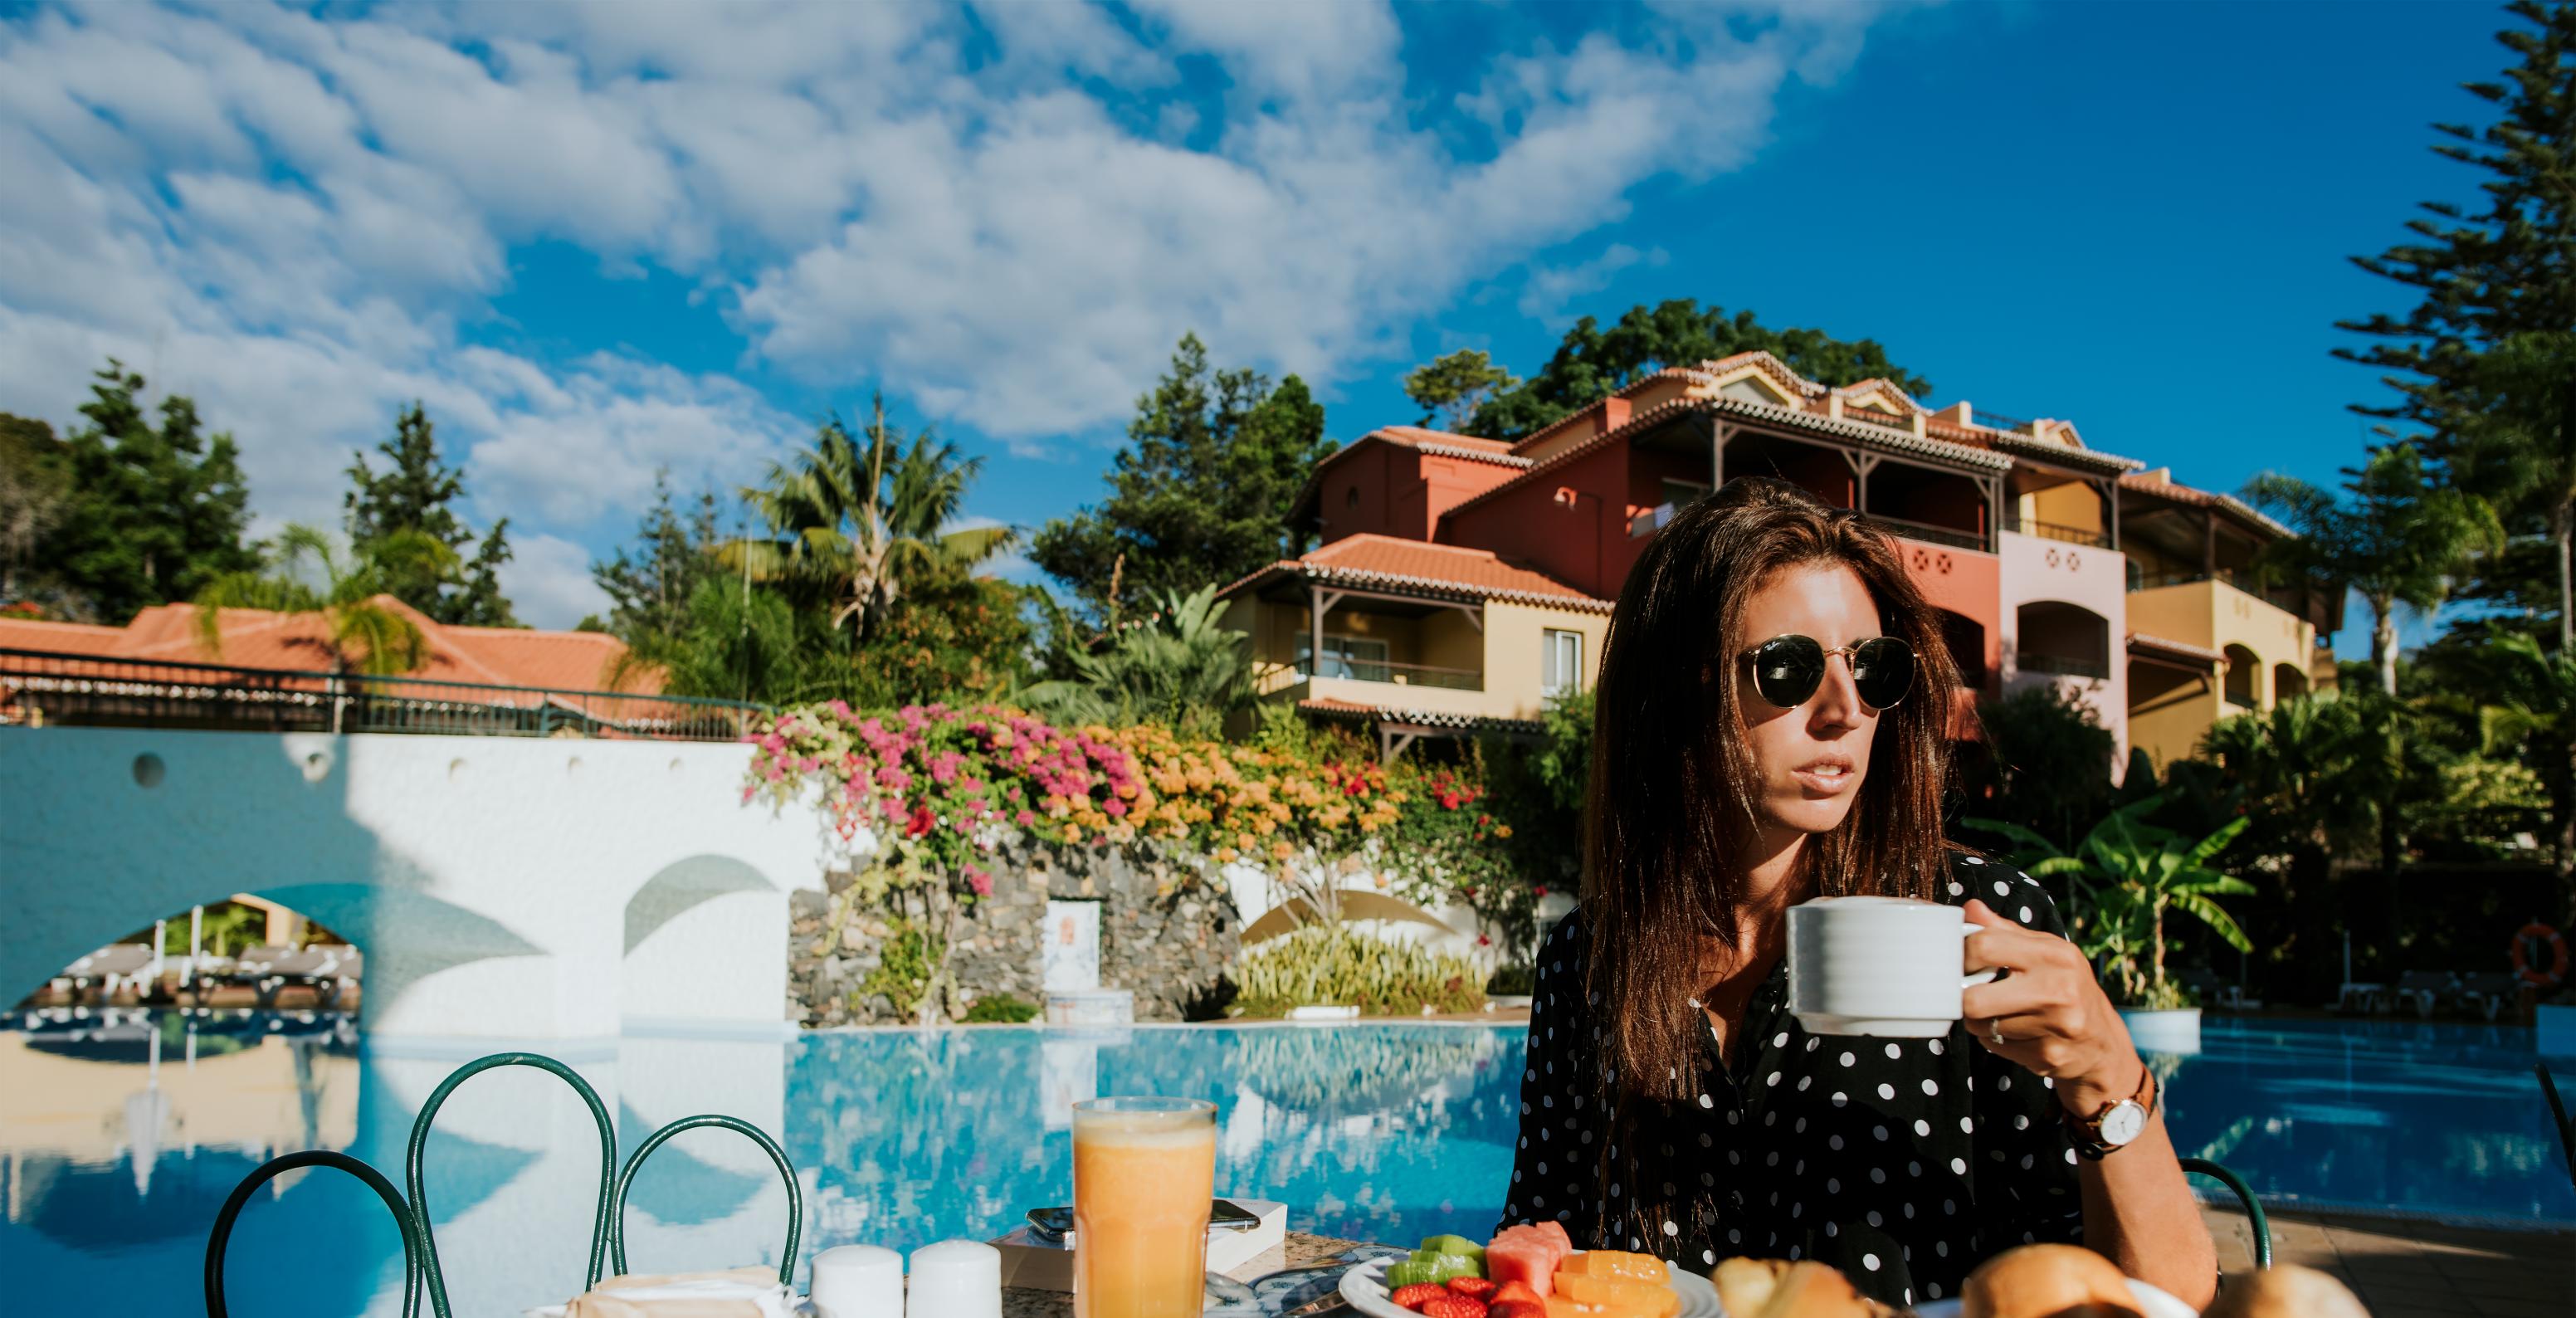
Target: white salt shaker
x=859, y=1281
x=956, y=1279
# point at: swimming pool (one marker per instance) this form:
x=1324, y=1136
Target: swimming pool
x=120, y=1148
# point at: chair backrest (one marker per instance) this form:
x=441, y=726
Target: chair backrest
x=413, y=1180
x=2262, y=1226
x=2558, y=1119
x=221, y=1237
x=2424, y=979
x=777, y=1156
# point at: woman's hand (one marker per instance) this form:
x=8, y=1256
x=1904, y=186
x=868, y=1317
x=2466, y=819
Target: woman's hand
x=2049, y=1014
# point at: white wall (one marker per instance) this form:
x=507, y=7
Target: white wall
x=489, y=880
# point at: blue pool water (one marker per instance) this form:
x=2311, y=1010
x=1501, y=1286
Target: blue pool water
x=118, y=1149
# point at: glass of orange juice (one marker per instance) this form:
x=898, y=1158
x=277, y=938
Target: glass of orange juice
x=1144, y=1171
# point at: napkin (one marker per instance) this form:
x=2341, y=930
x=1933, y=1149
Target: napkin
x=738, y=1293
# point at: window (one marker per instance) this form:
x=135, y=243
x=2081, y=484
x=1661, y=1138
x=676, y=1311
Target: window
x=1358, y=657
x=1560, y=662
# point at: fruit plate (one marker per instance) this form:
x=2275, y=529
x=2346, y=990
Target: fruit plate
x=1365, y=1288
x=2151, y=1302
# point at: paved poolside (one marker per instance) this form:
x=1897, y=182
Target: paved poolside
x=2405, y=1268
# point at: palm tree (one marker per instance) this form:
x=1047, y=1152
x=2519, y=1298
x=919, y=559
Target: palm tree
x=2536, y=707
x=2127, y=875
x=1179, y=667
x=359, y=633
x=2400, y=539
x=857, y=519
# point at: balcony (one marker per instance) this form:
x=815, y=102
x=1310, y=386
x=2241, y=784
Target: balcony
x=2062, y=665
x=1930, y=534
x=2073, y=535
x=1379, y=670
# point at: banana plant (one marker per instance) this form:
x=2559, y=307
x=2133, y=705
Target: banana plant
x=2127, y=876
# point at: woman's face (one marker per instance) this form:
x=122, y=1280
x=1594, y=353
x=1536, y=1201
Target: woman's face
x=1808, y=761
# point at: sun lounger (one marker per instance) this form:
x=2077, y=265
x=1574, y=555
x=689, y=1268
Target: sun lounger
x=2487, y=992
x=2425, y=989
x=330, y=970
x=114, y=967
x=2359, y=997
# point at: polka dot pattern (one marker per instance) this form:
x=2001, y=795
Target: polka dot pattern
x=1850, y=1171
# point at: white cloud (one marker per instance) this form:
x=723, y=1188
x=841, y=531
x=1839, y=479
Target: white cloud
x=300, y=217
x=548, y=582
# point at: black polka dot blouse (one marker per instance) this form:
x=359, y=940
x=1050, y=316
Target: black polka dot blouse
x=1903, y=1162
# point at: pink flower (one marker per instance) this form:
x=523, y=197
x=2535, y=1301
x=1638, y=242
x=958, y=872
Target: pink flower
x=981, y=882
x=1024, y=818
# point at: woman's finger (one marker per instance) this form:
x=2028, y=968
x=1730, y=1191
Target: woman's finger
x=2013, y=995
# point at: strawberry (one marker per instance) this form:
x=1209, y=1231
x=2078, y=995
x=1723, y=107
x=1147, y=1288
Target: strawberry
x=1514, y=1292
x=1474, y=1288
x=1453, y=1306
x=1413, y=1296
x=1516, y=1309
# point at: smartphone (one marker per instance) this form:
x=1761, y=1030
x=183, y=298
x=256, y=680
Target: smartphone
x=1057, y=1223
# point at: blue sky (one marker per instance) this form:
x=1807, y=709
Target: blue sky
x=600, y=240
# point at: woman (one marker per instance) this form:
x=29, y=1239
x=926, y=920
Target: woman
x=1753, y=752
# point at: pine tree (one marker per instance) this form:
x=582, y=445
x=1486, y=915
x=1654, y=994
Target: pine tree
x=1591, y=362
x=2502, y=273
x=152, y=514
x=416, y=492
x=649, y=585
x=1201, y=494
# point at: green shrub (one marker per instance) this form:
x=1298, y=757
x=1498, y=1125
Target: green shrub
x=1325, y=966
x=1513, y=981
x=1001, y=1009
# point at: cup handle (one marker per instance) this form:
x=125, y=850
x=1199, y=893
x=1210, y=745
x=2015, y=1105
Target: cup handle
x=1987, y=976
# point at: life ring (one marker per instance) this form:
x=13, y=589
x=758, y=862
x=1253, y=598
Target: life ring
x=2528, y=938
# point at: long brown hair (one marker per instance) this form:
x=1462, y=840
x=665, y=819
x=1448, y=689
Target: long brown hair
x=1672, y=796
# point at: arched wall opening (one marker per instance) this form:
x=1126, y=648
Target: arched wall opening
x=2288, y=683
x=2244, y=683
x=2063, y=639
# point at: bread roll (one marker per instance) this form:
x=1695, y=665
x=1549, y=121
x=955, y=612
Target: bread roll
x=2286, y=1291
x=2047, y=1281
x=1773, y=1288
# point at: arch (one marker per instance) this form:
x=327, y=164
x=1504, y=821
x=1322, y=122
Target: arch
x=2288, y=682
x=2244, y=684
x=2055, y=636
x=1965, y=638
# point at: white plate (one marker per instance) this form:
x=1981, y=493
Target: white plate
x=2156, y=1303
x=1365, y=1287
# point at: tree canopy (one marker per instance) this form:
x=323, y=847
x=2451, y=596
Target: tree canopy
x=1592, y=362
x=417, y=492
x=2491, y=276
x=1200, y=495
x=33, y=489
x=150, y=514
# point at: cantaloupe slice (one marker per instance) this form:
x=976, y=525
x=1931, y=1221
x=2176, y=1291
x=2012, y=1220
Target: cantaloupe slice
x=1618, y=1296
x=1617, y=1264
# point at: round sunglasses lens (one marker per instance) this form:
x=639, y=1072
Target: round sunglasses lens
x=1787, y=670
x=1882, y=671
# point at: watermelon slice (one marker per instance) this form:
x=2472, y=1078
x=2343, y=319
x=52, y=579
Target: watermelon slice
x=1525, y=1255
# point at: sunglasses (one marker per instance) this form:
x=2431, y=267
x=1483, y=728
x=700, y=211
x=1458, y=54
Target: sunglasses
x=1788, y=669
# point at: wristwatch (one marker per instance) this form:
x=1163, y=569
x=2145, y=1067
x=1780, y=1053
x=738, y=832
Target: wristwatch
x=2118, y=1124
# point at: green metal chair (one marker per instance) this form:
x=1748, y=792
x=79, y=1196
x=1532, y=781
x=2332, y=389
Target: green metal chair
x=221, y=1237
x=777, y=1156
x=413, y=1181
x=2558, y=1119
x=2244, y=1193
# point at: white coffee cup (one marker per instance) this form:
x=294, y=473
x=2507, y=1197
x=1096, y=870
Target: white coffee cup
x=1884, y=966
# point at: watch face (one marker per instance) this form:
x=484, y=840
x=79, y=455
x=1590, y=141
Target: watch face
x=2124, y=1122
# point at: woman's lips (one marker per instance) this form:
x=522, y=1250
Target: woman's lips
x=1825, y=780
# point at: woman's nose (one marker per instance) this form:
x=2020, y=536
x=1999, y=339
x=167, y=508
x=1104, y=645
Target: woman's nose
x=1837, y=703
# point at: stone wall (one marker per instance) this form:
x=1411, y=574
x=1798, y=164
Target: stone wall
x=1166, y=934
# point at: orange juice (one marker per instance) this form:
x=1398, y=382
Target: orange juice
x=1144, y=1170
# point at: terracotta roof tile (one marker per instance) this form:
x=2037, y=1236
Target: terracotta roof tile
x=2142, y=641
x=1348, y=709
x=257, y=638
x=58, y=637
x=2146, y=484
x=1390, y=561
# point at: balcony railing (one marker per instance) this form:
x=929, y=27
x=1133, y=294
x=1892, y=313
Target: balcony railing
x=2075, y=535
x=1998, y=421
x=2065, y=665
x=1925, y=531
x=40, y=688
x=1378, y=670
